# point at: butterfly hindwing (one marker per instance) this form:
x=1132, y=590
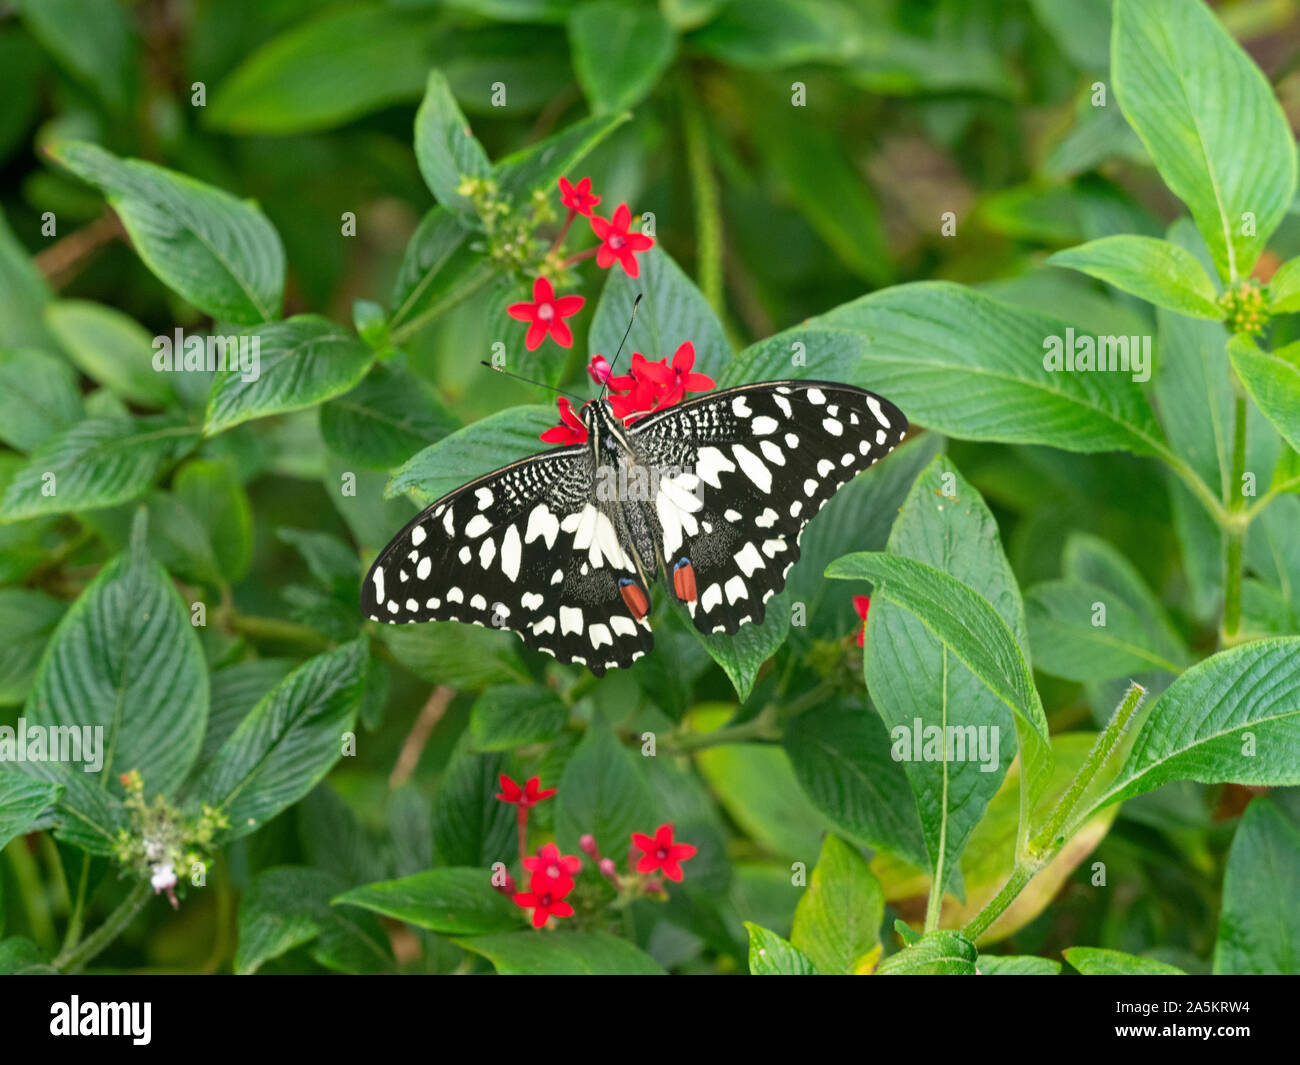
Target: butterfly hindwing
x=764, y=459
x=523, y=548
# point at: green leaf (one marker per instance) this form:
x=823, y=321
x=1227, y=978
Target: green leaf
x=1273, y=382
x=479, y=448
x=1284, y=288
x=963, y=364
x=1082, y=31
x=940, y=953
x=288, y=907
x=439, y=270
x=99, y=462
x=213, y=494
x=330, y=560
x=445, y=148
x=1193, y=385
x=540, y=166
x=773, y=34
x=515, y=715
x=1259, y=928
x=325, y=72
x=216, y=251
x=24, y=293
x=22, y=801
x=810, y=164
x=125, y=658
x=235, y=691
x=92, y=39
x=742, y=654
x=302, y=361
x=912, y=676
x=841, y=756
x=562, y=954
x=19, y=956
x=837, y=921
x=757, y=787
x=619, y=52
x=672, y=312
x=27, y=618
x=969, y=626
x=1095, y=961
x=1233, y=718
x=456, y=901
x=386, y=419
x=288, y=741
x=1016, y=965
x=1210, y=120
x=465, y=657
x=1084, y=632
x=38, y=398
x=110, y=348
x=1157, y=271
x=771, y=955
x=603, y=792
x=470, y=825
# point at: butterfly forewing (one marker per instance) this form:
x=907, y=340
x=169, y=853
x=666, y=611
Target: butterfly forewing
x=767, y=458
x=525, y=548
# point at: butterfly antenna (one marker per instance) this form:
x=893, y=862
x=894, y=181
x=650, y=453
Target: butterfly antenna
x=530, y=381
x=614, y=361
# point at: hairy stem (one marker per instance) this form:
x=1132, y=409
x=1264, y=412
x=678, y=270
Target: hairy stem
x=114, y=925
x=760, y=727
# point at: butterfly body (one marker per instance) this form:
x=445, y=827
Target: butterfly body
x=711, y=495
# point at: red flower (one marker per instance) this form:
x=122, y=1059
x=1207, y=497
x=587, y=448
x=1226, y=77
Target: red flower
x=545, y=903
x=633, y=393
x=552, y=871
x=569, y=431
x=600, y=369
x=660, y=852
x=527, y=796
x=578, y=198
x=862, y=603
x=547, y=314
x=673, y=382
x=617, y=244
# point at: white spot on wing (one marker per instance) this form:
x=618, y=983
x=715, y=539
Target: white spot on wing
x=753, y=467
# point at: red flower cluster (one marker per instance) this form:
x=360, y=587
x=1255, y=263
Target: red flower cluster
x=551, y=881
x=661, y=854
x=527, y=796
x=545, y=313
x=650, y=386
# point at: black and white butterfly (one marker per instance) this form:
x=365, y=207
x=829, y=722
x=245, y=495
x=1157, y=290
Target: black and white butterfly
x=562, y=547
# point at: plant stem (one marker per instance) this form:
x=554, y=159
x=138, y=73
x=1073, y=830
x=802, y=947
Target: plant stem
x=32, y=892
x=1016, y=883
x=1234, y=531
x=708, y=210
x=73, y=934
x=1062, y=823
x=278, y=629
x=760, y=727
x=1050, y=838
x=114, y=925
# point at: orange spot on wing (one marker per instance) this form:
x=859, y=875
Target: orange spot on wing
x=635, y=598
x=684, y=581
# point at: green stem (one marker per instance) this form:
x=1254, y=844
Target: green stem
x=1252, y=512
x=277, y=629
x=32, y=892
x=1062, y=823
x=1235, y=530
x=73, y=935
x=1016, y=883
x=708, y=209
x=1052, y=836
x=760, y=727
x=114, y=925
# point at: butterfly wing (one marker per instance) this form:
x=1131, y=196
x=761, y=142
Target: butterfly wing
x=764, y=459
x=522, y=548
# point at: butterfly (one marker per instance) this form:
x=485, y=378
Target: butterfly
x=563, y=547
